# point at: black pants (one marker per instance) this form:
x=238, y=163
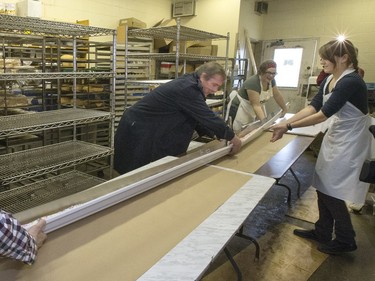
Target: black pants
x=334, y=216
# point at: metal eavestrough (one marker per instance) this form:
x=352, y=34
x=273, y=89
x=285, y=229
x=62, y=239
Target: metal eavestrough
x=80, y=205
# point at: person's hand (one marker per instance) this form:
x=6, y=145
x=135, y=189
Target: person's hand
x=237, y=143
x=36, y=231
x=278, y=131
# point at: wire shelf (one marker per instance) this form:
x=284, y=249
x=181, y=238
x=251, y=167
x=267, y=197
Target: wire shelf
x=34, y=162
x=170, y=32
x=35, y=26
x=172, y=56
x=32, y=195
x=12, y=125
x=55, y=75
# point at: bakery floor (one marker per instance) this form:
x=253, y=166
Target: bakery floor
x=284, y=256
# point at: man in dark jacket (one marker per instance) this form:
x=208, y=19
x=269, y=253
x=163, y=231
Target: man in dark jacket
x=163, y=122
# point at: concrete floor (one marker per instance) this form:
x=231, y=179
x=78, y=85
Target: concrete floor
x=287, y=257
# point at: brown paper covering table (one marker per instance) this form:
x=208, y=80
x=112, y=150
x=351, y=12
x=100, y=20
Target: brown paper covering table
x=124, y=241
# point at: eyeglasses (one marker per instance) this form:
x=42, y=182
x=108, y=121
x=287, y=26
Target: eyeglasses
x=271, y=73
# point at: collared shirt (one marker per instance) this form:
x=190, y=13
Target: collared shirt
x=15, y=241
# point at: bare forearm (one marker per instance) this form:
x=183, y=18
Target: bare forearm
x=310, y=120
x=306, y=117
x=304, y=113
x=280, y=101
x=259, y=112
x=254, y=100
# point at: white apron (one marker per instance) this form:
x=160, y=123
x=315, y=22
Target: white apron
x=345, y=147
x=245, y=113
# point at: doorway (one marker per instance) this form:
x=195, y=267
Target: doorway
x=294, y=94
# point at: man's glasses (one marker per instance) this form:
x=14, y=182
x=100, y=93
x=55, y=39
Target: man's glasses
x=271, y=73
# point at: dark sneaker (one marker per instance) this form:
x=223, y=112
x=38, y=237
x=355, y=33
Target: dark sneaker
x=335, y=248
x=310, y=234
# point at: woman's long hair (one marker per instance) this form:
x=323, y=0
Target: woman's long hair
x=337, y=48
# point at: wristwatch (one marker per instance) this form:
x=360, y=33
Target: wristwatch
x=289, y=127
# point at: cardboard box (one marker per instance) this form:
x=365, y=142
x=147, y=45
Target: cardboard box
x=188, y=44
x=166, y=22
x=204, y=51
x=198, y=43
x=132, y=23
x=189, y=69
x=121, y=34
x=160, y=43
x=85, y=23
x=214, y=49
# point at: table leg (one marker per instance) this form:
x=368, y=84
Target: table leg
x=298, y=182
x=234, y=264
x=252, y=240
x=289, y=191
